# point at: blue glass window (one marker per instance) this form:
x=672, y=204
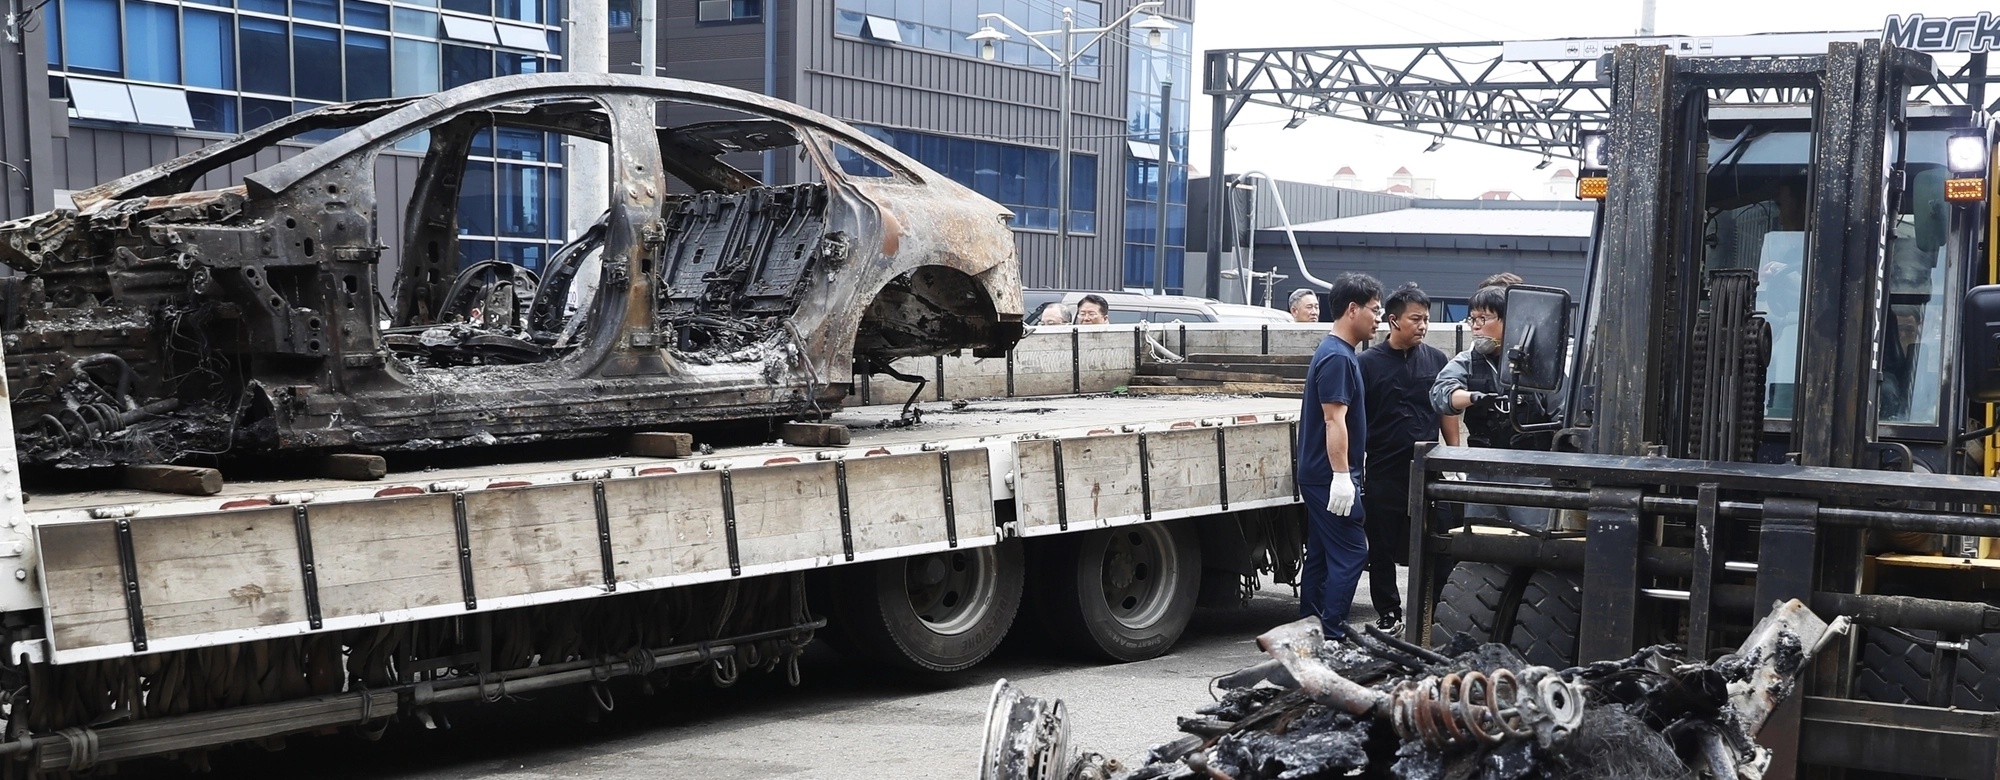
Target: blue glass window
x=747, y=9
x=91, y=36
x=464, y=65
x=265, y=6
x=316, y=58
x=412, y=22
x=482, y=142
x=556, y=209
x=266, y=43
x=519, y=197
x=53, y=34
x=373, y=16
x=518, y=144
x=367, y=66
x=521, y=10
x=475, y=200
x=848, y=23
x=317, y=10
x=528, y=256
x=480, y=7
x=1021, y=178
x=512, y=64
x=854, y=163
x=416, y=67
x=221, y=3
x=474, y=250
x=212, y=113
x=258, y=112
x=214, y=35
x=619, y=13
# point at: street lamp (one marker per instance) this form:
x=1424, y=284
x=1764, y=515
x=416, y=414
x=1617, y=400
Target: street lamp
x=989, y=39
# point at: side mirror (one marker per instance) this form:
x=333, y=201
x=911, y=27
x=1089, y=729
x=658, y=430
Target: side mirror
x=1979, y=342
x=1537, y=332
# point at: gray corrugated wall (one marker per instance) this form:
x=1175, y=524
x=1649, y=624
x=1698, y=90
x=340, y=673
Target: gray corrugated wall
x=25, y=186
x=1445, y=266
x=1317, y=202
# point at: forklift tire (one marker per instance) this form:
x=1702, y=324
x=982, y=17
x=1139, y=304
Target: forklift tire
x=935, y=613
x=1470, y=602
x=1896, y=670
x=1547, y=617
x=1119, y=594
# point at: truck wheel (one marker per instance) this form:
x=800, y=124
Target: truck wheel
x=1120, y=594
x=1470, y=602
x=1546, y=619
x=941, y=612
x=1898, y=671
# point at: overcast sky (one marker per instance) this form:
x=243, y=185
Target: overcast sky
x=1316, y=150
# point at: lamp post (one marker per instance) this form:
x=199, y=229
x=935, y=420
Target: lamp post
x=988, y=39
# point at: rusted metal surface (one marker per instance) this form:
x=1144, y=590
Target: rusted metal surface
x=156, y=321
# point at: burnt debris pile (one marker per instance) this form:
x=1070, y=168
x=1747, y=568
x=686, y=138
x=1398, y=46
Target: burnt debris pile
x=1375, y=706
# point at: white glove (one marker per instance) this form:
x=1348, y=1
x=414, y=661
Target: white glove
x=1340, y=494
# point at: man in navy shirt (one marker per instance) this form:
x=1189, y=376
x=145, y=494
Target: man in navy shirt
x=1333, y=433
x=1398, y=374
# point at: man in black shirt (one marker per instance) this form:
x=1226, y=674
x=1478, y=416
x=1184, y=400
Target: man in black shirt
x=1398, y=374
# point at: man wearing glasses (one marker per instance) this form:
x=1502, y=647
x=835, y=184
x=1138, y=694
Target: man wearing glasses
x=1333, y=432
x=1398, y=374
x=1470, y=383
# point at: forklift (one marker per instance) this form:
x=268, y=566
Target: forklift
x=1778, y=385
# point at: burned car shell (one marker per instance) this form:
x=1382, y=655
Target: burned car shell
x=155, y=322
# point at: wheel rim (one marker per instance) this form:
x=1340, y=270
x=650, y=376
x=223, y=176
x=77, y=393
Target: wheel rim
x=952, y=591
x=1140, y=568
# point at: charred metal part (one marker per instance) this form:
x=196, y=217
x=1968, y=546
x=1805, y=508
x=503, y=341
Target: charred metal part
x=249, y=319
x=1320, y=710
x=1026, y=738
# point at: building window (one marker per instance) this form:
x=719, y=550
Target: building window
x=1022, y=178
x=729, y=10
x=942, y=26
x=619, y=13
x=1149, y=124
x=206, y=31
x=91, y=45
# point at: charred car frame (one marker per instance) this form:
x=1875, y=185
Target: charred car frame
x=156, y=320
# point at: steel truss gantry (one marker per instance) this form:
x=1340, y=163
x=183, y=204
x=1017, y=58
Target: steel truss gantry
x=1467, y=91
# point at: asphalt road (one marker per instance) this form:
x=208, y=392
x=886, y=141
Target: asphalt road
x=847, y=719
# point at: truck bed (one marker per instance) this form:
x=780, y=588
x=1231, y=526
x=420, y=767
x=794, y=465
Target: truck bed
x=124, y=572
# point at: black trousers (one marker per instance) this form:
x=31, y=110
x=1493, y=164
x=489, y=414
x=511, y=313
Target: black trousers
x=1386, y=504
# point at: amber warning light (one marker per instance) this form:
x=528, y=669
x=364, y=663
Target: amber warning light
x=1591, y=187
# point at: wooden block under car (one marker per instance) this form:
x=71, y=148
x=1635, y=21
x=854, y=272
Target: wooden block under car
x=800, y=434
x=663, y=445
x=185, y=480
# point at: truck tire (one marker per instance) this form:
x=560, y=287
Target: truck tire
x=1898, y=671
x=941, y=612
x=1546, y=618
x=1120, y=594
x=1470, y=602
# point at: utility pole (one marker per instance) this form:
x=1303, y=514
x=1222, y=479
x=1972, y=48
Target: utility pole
x=589, y=193
x=1160, y=182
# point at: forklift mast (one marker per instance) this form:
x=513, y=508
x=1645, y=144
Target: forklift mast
x=1655, y=310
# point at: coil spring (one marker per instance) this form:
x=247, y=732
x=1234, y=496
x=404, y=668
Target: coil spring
x=87, y=422
x=1461, y=709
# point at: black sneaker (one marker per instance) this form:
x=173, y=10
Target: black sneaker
x=1390, y=622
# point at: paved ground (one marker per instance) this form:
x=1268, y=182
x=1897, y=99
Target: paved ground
x=846, y=720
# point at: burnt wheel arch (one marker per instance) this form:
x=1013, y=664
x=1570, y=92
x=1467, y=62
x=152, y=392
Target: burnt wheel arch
x=932, y=310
